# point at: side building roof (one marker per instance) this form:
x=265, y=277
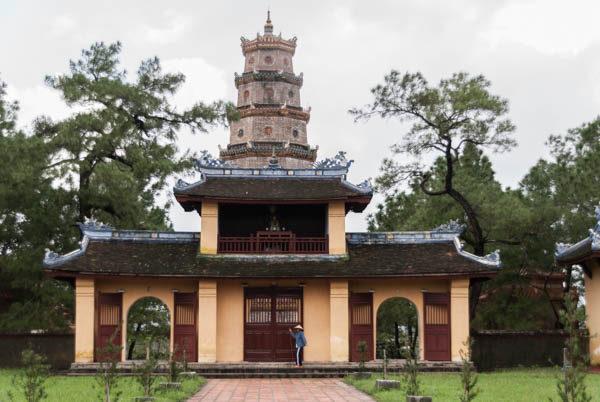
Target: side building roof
x=586, y=249
x=108, y=252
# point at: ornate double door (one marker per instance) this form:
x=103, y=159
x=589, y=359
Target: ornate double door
x=268, y=315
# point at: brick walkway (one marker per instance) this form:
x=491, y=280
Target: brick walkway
x=301, y=389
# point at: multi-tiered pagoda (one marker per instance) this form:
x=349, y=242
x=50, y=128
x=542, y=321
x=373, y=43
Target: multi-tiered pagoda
x=273, y=251
x=272, y=121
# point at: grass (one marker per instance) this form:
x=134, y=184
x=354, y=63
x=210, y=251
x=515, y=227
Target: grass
x=527, y=385
x=77, y=389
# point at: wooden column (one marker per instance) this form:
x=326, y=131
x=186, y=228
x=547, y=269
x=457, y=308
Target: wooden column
x=459, y=316
x=338, y=321
x=337, y=227
x=207, y=321
x=84, y=320
x=210, y=227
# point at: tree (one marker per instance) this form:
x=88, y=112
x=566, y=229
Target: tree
x=571, y=387
x=503, y=214
x=117, y=150
x=565, y=190
x=31, y=211
x=459, y=111
x=148, y=323
x=30, y=381
x=397, y=321
x=107, y=161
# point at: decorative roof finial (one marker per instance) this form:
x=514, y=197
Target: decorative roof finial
x=268, y=25
x=274, y=163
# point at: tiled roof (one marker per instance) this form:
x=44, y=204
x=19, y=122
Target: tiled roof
x=180, y=259
x=274, y=185
x=105, y=251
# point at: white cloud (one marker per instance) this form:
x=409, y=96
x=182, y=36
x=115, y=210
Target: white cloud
x=171, y=29
x=36, y=101
x=63, y=25
x=548, y=26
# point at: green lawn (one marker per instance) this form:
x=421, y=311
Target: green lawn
x=527, y=385
x=78, y=389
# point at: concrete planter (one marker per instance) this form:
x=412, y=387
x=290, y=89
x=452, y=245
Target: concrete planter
x=188, y=374
x=386, y=384
x=419, y=399
x=361, y=375
x=144, y=399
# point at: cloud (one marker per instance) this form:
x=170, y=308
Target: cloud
x=36, y=101
x=63, y=25
x=547, y=26
x=172, y=29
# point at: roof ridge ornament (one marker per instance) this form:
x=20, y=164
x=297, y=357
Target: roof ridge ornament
x=273, y=162
x=91, y=224
x=562, y=249
x=268, y=24
x=207, y=160
x=338, y=161
x=450, y=226
x=492, y=259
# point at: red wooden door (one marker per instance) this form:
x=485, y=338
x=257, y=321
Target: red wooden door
x=110, y=306
x=361, y=324
x=185, y=328
x=268, y=315
x=288, y=314
x=437, y=326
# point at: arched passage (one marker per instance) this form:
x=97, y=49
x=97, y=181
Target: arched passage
x=148, y=326
x=397, y=328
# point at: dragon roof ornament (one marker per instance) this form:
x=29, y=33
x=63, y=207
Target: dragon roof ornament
x=338, y=161
x=593, y=240
x=207, y=160
x=451, y=226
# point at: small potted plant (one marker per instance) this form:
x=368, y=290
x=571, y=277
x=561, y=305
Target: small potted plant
x=362, y=373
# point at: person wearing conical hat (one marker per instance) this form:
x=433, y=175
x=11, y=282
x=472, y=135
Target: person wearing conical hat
x=298, y=334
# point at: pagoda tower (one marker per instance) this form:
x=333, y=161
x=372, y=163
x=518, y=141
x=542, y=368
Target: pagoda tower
x=272, y=121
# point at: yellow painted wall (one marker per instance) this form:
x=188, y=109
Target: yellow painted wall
x=230, y=321
x=210, y=227
x=337, y=227
x=136, y=289
x=84, y=320
x=221, y=309
x=592, y=303
x=207, y=320
x=409, y=289
x=317, y=321
x=338, y=321
x=459, y=316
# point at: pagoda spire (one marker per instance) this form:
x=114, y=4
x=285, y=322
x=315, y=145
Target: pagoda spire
x=268, y=25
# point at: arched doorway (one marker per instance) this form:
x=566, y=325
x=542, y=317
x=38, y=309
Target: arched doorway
x=397, y=328
x=148, y=328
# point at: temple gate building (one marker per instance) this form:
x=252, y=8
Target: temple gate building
x=273, y=251
x=586, y=253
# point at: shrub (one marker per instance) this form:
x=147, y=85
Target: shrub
x=32, y=378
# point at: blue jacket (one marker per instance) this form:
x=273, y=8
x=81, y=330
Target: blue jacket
x=300, y=339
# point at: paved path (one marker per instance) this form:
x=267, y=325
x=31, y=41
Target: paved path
x=301, y=389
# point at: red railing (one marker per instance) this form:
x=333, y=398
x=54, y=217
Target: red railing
x=273, y=242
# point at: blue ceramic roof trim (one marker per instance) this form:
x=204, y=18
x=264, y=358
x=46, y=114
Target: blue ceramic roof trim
x=269, y=173
x=443, y=234
x=98, y=232
x=447, y=233
x=564, y=250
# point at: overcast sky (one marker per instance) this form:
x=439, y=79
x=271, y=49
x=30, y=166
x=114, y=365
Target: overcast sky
x=543, y=56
